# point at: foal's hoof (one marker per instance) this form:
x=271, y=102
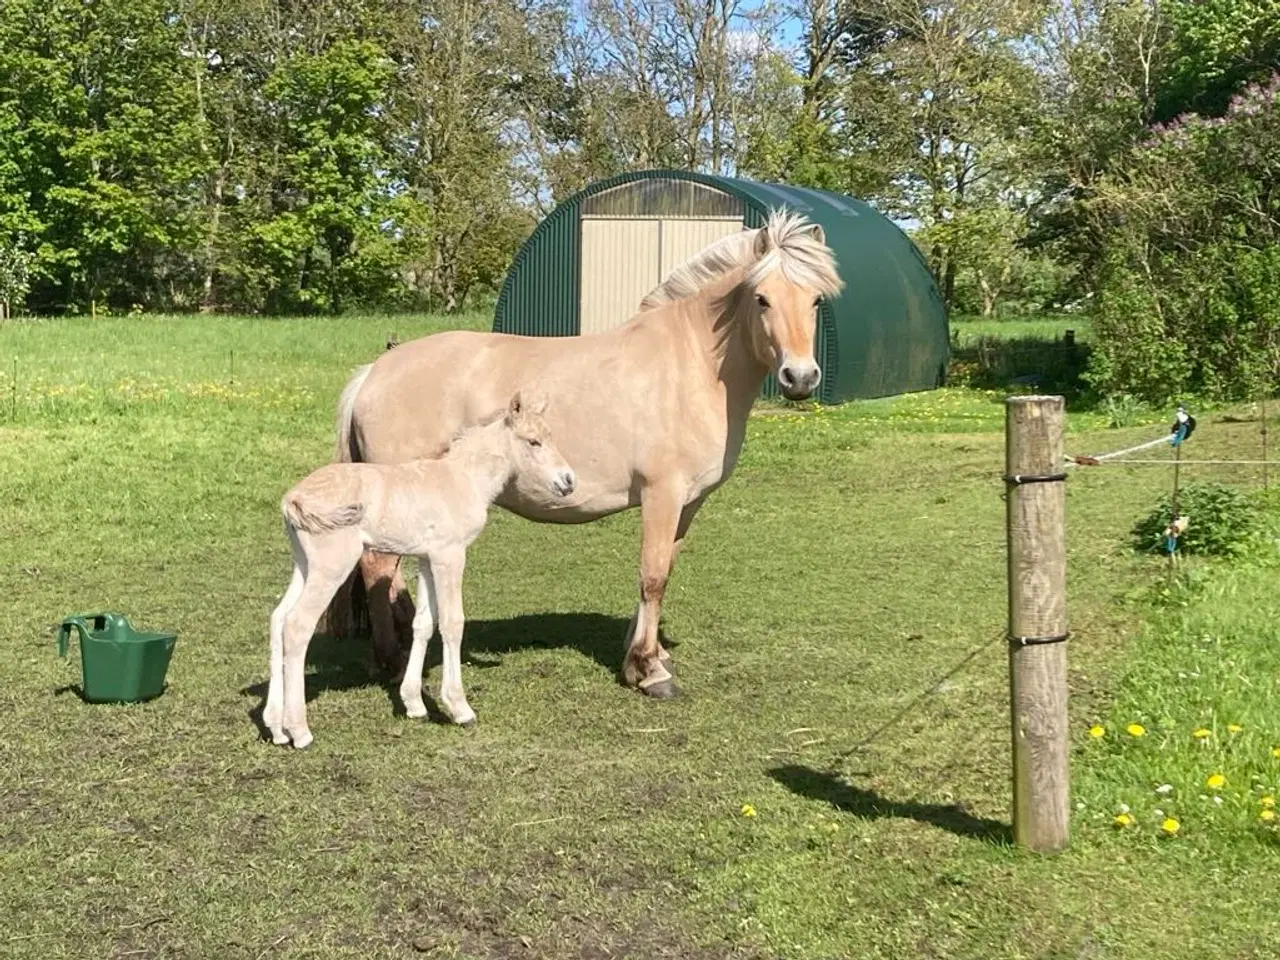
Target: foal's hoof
x=303, y=741
x=661, y=689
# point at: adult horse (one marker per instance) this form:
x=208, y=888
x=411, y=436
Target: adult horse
x=651, y=414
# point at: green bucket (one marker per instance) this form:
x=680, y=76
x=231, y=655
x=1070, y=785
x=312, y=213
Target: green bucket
x=120, y=664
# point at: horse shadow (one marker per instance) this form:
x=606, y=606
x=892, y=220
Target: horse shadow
x=339, y=663
x=826, y=787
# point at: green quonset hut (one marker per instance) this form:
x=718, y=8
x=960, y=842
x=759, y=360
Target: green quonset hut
x=590, y=262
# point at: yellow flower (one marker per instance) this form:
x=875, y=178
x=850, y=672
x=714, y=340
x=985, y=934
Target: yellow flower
x=1234, y=728
x=1170, y=826
x=1136, y=730
x=1201, y=734
x=1267, y=815
x=1268, y=801
x=1122, y=820
x=1275, y=752
x=748, y=810
x=1097, y=730
x=1216, y=781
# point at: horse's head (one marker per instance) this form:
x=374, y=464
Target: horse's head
x=534, y=454
x=793, y=270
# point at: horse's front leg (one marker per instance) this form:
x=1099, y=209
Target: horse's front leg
x=424, y=625
x=446, y=571
x=660, y=512
x=389, y=606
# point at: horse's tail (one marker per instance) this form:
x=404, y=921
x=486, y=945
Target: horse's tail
x=306, y=516
x=348, y=612
x=346, y=449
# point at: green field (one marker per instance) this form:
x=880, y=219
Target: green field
x=856, y=556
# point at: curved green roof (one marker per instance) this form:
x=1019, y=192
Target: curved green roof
x=885, y=334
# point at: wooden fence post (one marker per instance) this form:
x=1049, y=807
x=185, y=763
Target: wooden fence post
x=1036, y=523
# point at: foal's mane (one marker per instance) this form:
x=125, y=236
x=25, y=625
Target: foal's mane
x=443, y=450
x=803, y=258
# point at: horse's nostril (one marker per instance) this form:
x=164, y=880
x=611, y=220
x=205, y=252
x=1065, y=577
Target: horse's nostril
x=786, y=377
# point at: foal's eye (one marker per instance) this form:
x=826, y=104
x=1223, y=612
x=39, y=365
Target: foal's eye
x=762, y=300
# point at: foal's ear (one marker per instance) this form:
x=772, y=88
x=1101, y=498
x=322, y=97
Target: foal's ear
x=515, y=406
x=818, y=233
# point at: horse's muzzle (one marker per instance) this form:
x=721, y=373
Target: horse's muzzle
x=799, y=380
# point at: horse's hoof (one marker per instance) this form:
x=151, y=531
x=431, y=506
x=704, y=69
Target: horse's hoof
x=661, y=690
x=302, y=742
x=280, y=739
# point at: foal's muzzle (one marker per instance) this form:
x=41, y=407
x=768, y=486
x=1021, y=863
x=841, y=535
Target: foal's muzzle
x=564, y=483
x=798, y=380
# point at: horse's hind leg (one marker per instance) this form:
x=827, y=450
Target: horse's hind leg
x=329, y=561
x=389, y=606
x=273, y=711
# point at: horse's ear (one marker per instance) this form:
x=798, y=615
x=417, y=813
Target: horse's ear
x=818, y=233
x=764, y=242
x=515, y=406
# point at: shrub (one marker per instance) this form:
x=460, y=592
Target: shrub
x=1223, y=521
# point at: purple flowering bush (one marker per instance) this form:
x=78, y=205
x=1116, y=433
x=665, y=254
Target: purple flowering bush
x=1189, y=298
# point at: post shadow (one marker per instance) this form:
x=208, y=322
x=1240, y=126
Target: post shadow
x=817, y=785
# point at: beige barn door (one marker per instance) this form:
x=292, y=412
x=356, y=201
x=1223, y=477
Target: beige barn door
x=683, y=239
x=620, y=264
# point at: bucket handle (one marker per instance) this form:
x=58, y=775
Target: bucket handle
x=82, y=627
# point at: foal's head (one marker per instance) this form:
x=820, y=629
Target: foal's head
x=793, y=269
x=534, y=458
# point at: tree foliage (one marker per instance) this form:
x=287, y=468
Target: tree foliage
x=276, y=156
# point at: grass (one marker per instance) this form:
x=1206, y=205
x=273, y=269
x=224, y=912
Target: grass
x=856, y=556
x=967, y=330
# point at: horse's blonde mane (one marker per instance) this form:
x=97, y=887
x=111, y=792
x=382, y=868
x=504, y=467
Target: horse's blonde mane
x=793, y=248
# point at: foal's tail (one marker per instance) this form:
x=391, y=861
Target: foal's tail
x=306, y=516
x=346, y=449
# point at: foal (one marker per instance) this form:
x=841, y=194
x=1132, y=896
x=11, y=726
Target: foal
x=429, y=508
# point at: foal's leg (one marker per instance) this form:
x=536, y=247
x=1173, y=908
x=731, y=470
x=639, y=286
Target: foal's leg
x=424, y=625
x=330, y=559
x=388, y=602
x=660, y=512
x=447, y=570
x=273, y=712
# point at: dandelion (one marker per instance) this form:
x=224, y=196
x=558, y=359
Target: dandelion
x=1234, y=728
x=1097, y=730
x=1268, y=802
x=1122, y=820
x=1216, y=781
x=1275, y=752
x=748, y=810
x=1138, y=730
x=1202, y=734
x=1266, y=816
x=1170, y=826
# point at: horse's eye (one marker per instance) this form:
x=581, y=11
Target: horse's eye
x=535, y=443
x=762, y=300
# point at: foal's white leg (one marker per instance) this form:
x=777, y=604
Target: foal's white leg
x=273, y=712
x=447, y=572
x=330, y=558
x=424, y=625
